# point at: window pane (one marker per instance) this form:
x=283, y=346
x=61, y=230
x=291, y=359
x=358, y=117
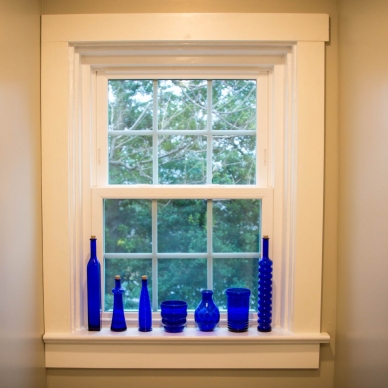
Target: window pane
x=130, y=104
x=234, y=160
x=131, y=271
x=182, y=104
x=234, y=104
x=236, y=225
x=181, y=279
x=182, y=159
x=128, y=226
x=130, y=160
x=228, y=273
x=182, y=225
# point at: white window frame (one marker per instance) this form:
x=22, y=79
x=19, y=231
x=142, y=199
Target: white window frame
x=295, y=52
x=103, y=190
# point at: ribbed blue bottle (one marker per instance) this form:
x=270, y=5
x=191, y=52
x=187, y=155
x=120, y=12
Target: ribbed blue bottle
x=118, y=317
x=145, y=314
x=265, y=289
x=94, y=288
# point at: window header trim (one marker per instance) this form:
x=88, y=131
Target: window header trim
x=187, y=27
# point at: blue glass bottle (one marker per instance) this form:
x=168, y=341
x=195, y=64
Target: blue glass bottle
x=94, y=288
x=207, y=315
x=145, y=315
x=118, y=317
x=265, y=289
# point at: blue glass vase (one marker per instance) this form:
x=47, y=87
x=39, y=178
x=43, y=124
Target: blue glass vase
x=94, y=288
x=145, y=315
x=265, y=290
x=118, y=317
x=207, y=314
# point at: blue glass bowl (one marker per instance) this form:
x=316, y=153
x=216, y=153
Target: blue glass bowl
x=238, y=309
x=174, y=313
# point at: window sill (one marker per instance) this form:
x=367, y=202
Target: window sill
x=191, y=349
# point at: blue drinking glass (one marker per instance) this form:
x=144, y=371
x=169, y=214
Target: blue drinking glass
x=174, y=313
x=238, y=309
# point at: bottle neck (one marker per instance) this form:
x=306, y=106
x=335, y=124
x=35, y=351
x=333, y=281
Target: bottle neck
x=207, y=295
x=93, y=248
x=118, y=283
x=265, y=248
x=144, y=283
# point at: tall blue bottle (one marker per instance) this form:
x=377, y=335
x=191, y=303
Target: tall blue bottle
x=94, y=288
x=265, y=289
x=118, y=317
x=145, y=315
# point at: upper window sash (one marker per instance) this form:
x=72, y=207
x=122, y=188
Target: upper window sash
x=262, y=120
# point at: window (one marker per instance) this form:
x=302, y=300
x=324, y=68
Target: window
x=179, y=133
x=285, y=55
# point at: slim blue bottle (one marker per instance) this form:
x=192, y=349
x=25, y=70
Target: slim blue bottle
x=94, y=288
x=145, y=315
x=265, y=290
x=118, y=317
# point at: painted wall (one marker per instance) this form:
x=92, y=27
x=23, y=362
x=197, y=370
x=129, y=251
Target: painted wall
x=21, y=306
x=322, y=378
x=362, y=357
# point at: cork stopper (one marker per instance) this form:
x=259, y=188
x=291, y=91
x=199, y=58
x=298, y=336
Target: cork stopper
x=117, y=277
x=144, y=277
x=93, y=237
x=265, y=237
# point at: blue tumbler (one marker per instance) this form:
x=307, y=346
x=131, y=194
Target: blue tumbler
x=174, y=313
x=238, y=309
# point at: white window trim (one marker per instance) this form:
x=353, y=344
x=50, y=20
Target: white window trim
x=296, y=344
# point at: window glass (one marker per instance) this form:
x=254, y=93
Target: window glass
x=178, y=253
x=182, y=132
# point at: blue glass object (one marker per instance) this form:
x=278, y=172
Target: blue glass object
x=238, y=309
x=145, y=315
x=265, y=290
x=174, y=313
x=94, y=288
x=118, y=317
x=207, y=314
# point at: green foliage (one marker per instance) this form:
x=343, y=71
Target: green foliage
x=128, y=226
x=182, y=226
x=228, y=273
x=131, y=271
x=236, y=225
x=182, y=279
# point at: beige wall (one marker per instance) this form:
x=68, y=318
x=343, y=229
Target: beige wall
x=362, y=356
x=21, y=306
x=319, y=378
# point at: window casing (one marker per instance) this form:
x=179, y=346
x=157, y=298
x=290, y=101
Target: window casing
x=293, y=47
